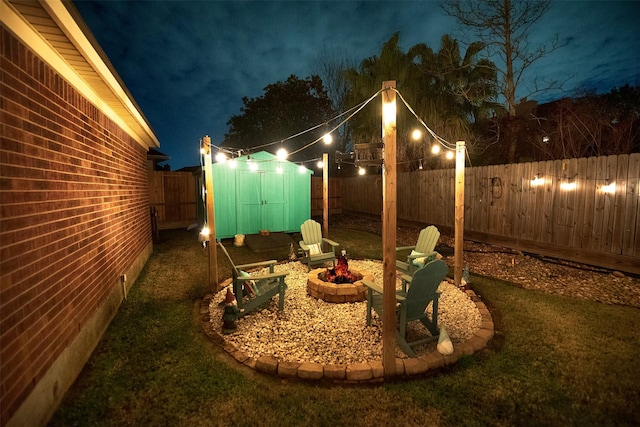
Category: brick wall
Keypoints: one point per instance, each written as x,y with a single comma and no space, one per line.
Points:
74,216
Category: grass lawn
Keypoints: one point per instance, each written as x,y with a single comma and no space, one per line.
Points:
553,361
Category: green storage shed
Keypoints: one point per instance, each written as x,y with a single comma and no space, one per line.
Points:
260,192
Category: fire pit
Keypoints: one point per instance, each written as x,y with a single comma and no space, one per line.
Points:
339,284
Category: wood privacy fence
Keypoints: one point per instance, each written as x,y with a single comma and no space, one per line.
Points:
584,210
572,211
173,195
334,196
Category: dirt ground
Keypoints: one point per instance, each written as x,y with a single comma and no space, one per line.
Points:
543,274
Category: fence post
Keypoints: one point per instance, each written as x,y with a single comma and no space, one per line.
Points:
459,213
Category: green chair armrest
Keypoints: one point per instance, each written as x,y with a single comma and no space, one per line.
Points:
422,255
303,246
372,286
331,242
406,278
262,277
405,248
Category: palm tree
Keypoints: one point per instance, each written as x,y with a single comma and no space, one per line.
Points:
448,91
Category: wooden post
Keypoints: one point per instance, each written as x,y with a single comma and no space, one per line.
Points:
459,214
211,222
325,195
389,229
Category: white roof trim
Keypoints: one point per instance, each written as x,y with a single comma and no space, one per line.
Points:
28,34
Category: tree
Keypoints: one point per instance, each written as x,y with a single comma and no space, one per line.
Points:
504,27
591,125
462,90
286,109
330,65
447,90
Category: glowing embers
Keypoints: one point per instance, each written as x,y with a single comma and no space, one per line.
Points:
340,274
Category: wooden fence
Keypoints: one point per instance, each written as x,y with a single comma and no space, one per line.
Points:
334,196
585,210
571,211
173,194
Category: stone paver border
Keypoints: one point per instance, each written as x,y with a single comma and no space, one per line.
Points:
355,372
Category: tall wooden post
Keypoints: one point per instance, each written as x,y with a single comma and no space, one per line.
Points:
211,222
459,214
389,218
325,195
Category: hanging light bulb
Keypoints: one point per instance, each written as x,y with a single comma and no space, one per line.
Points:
609,188
420,167
301,168
361,171
221,157
253,166
320,164
282,154
204,234
416,134
327,138
537,180
450,155
435,148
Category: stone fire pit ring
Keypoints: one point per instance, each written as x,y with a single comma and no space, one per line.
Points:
337,293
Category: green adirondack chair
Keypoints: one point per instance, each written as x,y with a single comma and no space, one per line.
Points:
315,246
422,253
252,291
412,304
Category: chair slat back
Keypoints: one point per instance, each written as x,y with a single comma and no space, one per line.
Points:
311,232
424,286
428,239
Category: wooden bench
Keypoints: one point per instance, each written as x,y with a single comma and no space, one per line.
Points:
252,291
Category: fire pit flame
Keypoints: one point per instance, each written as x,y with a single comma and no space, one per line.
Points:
340,274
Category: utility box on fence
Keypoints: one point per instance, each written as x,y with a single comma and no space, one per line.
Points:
260,192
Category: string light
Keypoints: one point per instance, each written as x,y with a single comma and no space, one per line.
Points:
282,154
327,138
608,188
537,181
221,157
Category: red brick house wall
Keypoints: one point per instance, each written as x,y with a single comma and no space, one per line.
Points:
74,218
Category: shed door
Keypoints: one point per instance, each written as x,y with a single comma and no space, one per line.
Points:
261,202
273,193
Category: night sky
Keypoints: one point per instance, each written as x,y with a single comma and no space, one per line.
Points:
189,63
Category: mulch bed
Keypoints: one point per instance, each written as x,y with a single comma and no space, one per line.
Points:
553,276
